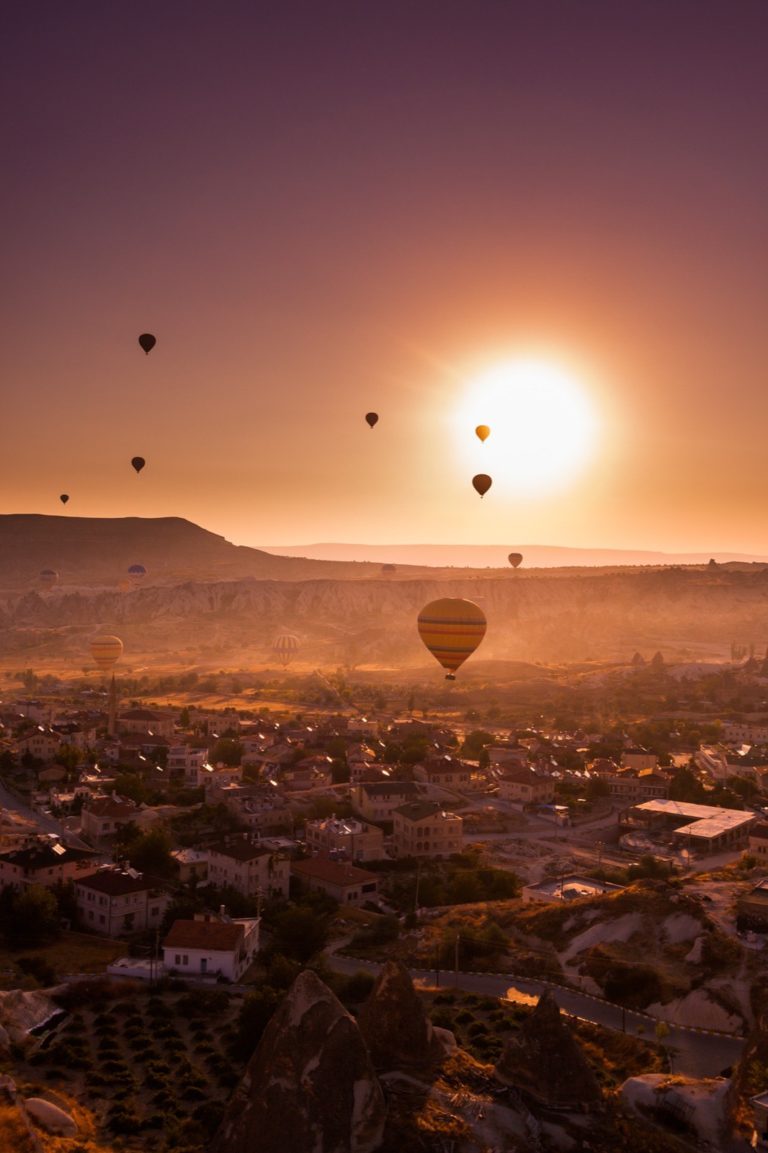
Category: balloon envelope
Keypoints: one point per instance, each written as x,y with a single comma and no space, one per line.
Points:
481,483
483,431
515,559
372,418
106,651
64,498
451,628
285,648
147,341
48,577
138,462
136,573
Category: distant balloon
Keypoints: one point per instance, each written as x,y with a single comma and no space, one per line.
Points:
48,578
389,568
138,462
285,648
64,498
147,341
106,651
136,573
451,628
481,483
515,559
372,418
483,431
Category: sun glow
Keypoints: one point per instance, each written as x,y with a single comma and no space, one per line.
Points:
543,425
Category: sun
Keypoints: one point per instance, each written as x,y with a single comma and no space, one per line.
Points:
543,425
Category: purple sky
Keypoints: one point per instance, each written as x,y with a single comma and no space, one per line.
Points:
327,208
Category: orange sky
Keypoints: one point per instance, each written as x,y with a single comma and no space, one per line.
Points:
326,210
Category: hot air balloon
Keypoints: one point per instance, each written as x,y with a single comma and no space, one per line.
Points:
451,628
147,341
285,648
138,462
481,483
48,577
389,568
515,559
106,651
64,498
136,573
372,418
483,431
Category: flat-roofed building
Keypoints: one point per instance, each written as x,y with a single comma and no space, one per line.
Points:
355,839
699,829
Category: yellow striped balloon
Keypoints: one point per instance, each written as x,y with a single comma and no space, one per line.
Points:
106,651
451,628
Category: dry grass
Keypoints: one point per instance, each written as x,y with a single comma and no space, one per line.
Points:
72,953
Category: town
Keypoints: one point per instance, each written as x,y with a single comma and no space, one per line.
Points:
233,846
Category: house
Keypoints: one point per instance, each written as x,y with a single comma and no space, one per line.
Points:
424,829
247,866
377,800
356,840
193,864
638,759
184,763
45,861
103,816
758,842
114,901
507,754
209,946
146,721
524,786
41,742
645,785
446,771
309,773
343,882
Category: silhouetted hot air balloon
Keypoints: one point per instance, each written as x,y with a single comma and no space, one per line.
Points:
147,341
389,568
64,498
372,418
138,462
106,651
515,559
483,431
48,577
136,573
451,628
285,648
481,483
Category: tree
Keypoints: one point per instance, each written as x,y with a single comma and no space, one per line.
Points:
150,853
30,917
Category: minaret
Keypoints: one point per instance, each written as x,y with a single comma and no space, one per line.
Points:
112,714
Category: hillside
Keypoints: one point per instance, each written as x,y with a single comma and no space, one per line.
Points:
204,598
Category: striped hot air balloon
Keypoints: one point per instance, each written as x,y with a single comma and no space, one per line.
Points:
451,628
48,577
106,651
285,648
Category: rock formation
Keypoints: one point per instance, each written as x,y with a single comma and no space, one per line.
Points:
396,1029
310,1086
546,1061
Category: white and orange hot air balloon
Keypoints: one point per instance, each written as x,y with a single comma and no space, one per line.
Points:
106,650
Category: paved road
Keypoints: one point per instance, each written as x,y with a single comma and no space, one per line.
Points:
698,1053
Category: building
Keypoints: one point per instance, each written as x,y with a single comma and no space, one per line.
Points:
424,829
146,721
348,837
758,842
343,882
211,946
184,764
377,800
524,786
250,868
638,759
45,861
646,785
115,902
193,864
752,908
447,772
103,816
696,829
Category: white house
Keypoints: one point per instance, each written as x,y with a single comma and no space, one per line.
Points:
211,946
